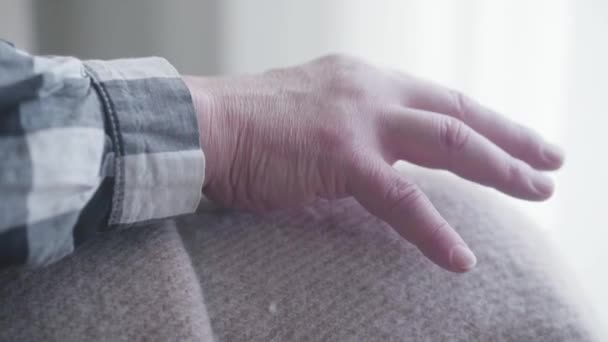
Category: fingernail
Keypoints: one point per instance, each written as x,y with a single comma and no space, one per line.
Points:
543,185
553,154
462,258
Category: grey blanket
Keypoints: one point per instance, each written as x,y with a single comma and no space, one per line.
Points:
329,272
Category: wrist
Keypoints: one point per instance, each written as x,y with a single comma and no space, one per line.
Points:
205,109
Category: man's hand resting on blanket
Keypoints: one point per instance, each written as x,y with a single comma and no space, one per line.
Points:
333,127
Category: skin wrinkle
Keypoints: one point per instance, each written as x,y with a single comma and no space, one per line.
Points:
402,194
459,104
324,128
453,135
233,176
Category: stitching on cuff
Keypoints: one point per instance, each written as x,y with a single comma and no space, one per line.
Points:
118,147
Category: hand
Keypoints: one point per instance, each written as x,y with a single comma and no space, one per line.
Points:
333,127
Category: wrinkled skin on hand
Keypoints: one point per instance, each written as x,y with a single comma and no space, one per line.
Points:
333,127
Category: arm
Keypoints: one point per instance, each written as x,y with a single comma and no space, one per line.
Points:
330,128
90,146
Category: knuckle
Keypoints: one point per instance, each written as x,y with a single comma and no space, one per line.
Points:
459,104
343,84
334,139
345,88
453,134
343,75
334,58
336,133
403,194
338,59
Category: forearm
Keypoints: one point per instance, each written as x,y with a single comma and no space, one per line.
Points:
89,146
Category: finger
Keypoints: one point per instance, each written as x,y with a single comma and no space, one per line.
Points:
439,141
388,195
519,141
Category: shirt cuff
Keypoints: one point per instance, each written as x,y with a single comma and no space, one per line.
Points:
156,160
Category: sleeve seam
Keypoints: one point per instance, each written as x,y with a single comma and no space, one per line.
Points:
118,147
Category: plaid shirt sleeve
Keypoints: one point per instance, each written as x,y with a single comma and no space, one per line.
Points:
87,146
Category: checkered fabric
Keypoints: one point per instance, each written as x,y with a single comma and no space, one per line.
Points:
87,146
